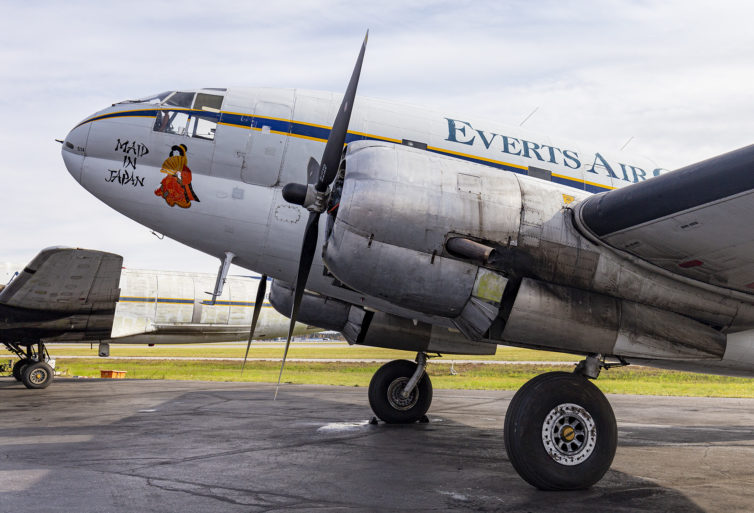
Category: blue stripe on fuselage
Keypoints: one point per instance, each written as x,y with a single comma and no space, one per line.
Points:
321,133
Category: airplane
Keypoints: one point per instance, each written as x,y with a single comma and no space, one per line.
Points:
444,234
82,295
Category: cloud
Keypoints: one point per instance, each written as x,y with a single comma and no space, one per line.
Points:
673,75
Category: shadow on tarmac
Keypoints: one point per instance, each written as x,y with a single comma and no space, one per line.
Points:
99,445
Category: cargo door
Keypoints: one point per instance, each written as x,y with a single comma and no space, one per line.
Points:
232,135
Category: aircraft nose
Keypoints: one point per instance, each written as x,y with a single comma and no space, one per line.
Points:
74,149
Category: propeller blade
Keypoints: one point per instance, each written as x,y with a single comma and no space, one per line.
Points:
308,247
312,171
261,289
331,156
328,169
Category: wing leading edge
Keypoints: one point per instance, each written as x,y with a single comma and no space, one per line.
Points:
696,221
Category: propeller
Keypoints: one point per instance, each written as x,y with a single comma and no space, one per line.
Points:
314,195
261,289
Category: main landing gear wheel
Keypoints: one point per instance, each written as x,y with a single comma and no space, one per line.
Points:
560,432
19,366
37,375
387,400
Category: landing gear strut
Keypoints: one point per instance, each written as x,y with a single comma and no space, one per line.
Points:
560,431
32,369
400,391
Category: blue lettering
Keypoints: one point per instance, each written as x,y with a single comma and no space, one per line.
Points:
484,138
603,163
573,157
453,130
551,151
638,173
533,147
509,145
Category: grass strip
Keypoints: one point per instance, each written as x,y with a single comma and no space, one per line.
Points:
627,380
341,351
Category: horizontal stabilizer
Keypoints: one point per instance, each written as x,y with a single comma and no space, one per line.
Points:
67,280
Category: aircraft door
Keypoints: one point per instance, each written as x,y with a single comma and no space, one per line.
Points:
266,146
230,145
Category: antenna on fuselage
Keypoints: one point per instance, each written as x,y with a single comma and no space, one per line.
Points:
530,115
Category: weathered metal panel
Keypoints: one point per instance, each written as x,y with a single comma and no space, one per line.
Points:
547,315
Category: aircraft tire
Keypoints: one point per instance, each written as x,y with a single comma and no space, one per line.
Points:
19,366
37,375
385,388
560,432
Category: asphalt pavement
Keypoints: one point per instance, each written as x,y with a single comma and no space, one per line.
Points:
134,445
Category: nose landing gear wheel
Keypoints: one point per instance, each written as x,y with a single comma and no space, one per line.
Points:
385,393
560,432
37,375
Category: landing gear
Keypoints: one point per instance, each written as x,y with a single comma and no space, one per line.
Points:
400,391
37,375
19,366
560,431
32,368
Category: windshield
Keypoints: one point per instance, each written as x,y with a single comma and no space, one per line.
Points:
181,99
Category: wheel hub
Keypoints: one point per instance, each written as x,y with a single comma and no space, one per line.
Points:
395,396
569,434
38,376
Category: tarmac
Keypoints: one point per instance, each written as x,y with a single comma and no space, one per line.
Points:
135,445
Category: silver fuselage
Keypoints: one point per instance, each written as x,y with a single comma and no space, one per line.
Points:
238,153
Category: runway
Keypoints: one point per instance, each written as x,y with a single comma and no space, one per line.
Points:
132,445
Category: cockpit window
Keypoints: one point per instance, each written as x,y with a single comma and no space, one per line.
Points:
189,124
210,102
181,99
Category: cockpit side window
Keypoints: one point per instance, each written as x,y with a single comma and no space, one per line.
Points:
186,123
209,102
181,99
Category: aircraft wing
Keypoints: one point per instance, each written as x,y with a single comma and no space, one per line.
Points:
697,221
66,280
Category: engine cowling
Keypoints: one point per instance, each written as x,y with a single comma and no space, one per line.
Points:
583,321
398,208
379,329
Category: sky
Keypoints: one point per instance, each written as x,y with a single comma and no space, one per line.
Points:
672,77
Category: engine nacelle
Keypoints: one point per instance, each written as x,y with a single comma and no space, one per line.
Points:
324,312
378,329
398,208
583,321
